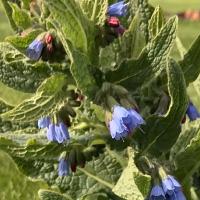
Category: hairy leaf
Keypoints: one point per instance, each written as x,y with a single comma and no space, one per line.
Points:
156,22
73,30
18,73
191,62
79,68
17,97
22,42
184,153
8,10
45,101
95,10
160,129
38,161
132,185
145,12
13,184
132,73
50,195
189,131
132,42
20,17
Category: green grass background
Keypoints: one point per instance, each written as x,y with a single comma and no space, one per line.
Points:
13,184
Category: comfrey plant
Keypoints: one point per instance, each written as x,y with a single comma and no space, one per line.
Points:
98,102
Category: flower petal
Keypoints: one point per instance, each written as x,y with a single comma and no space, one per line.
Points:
34,50
157,193
118,9
44,122
63,167
51,133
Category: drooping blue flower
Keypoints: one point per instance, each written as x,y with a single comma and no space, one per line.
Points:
168,186
137,119
34,50
51,136
172,188
44,122
61,133
118,9
63,167
117,129
179,195
157,193
176,196
55,132
123,122
192,112
176,184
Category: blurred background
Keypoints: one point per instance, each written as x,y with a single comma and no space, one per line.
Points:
14,185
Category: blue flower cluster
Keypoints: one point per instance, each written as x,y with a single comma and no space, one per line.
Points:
192,112
118,9
55,132
123,122
170,189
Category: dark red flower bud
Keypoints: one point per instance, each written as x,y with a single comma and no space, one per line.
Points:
113,22
73,167
48,38
184,119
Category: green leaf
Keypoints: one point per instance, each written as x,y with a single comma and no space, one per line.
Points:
145,12
135,39
180,47
75,46
13,184
21,17
50,195
191,62
132,185
40,161
26,136
73,30
186,159
133,73
30,152
96,196
8,10
18,73
189,131
159,129
26,4
130,44
80,66
156,22
17,96
22,42
45,101
95,10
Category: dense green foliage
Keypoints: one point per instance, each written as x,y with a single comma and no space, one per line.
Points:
136,67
